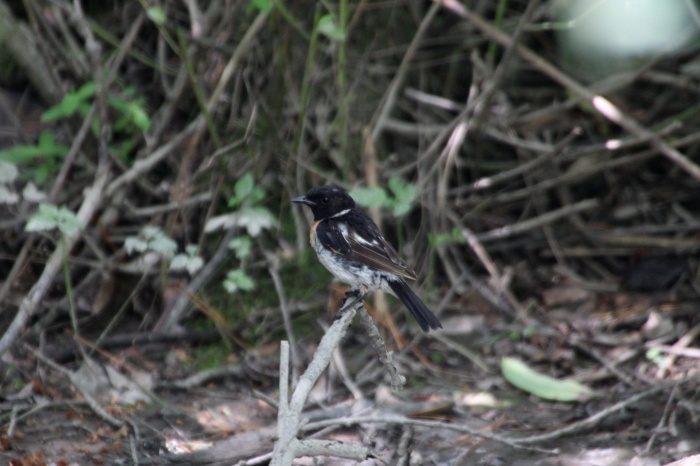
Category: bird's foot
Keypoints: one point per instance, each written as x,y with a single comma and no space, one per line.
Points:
351,298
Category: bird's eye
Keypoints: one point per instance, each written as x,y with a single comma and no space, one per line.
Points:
325,200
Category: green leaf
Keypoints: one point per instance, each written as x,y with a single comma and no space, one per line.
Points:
256,219
87,91
543,386
370,197
241,246
31,193
405,195
8,172
442,239
256,195
439,239
238,280
154,240
46,147
163,244
189,262
150,232
654,355
329,28
402,206
265,6
156,14
49,217
135,244
39,222
8,196
244,186
133,113
70,103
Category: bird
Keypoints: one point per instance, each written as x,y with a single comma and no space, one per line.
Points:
349,244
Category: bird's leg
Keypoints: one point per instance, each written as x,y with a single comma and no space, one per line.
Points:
357,295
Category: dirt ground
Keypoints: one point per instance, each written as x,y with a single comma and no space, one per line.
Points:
636,417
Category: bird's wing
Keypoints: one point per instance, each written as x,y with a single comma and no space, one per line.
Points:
331,237
365,244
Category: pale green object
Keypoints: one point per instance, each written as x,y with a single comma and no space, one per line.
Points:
49,217
543,386
597,38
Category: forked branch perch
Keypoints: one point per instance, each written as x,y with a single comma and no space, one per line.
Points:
289,420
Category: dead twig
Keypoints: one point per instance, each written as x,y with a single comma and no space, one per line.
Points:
600,103
289,420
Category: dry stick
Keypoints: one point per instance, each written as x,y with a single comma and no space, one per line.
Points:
462,127
604,106
19,262
58,36
17,266
93,199
344,374
682,342
22,44
570,177
548,152
513,442
389,98
153,210
289,420
273,262
539,221
142,166
71,376
460,349
401,420
609,365
75,147
566,178
205,376
490,265
171,318
236,58
663,420
693,353
486,97
12,425
600,415
385,357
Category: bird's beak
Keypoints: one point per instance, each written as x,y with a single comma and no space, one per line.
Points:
303,200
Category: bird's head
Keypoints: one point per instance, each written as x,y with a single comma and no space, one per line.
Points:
326,202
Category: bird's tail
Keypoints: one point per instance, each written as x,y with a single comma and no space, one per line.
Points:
415,306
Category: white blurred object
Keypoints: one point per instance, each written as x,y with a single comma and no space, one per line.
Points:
597,38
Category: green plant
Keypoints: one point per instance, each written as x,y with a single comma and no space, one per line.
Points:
132,117
46,146
49,217
154,239
46,218
661,361
248,216
442,239
151,239
190,260
400,200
